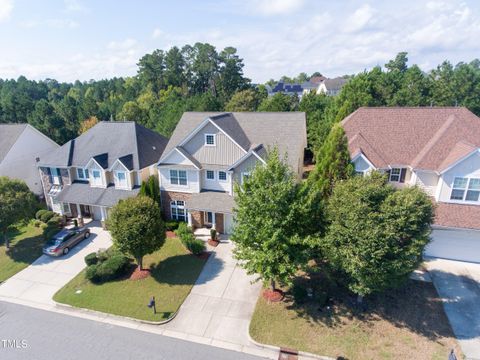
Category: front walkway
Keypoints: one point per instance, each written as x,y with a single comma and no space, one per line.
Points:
458,284
43,278
220,304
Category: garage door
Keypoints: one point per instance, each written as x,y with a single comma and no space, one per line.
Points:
463,245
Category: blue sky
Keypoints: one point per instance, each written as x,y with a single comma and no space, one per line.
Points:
86,39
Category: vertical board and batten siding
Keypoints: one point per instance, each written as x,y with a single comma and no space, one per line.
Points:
225,151
246,166
193,184
470,167
427,181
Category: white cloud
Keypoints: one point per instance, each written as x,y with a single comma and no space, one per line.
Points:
126,44
51,23
275,7
157,33
6,8
74,6
359,19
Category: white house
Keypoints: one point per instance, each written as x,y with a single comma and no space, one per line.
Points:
21,147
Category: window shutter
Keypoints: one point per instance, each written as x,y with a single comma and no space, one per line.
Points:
403,172
49,174
388,174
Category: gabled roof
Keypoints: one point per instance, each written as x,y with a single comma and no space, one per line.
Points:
286,130
9,133
136,146
334,84
427,138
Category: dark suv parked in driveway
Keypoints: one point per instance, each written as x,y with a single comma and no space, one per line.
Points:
65,240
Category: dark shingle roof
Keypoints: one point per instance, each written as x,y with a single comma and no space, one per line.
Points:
211,200
9,134
83,193
109,141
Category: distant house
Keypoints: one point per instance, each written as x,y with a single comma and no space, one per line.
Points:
209,152
288,89
88,175
21,147
331,87
435,148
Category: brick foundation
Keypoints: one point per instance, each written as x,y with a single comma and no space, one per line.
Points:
197,219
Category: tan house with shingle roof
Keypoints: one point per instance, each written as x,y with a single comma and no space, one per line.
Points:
435,148
209,152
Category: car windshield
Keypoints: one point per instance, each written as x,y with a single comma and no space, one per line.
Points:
54,242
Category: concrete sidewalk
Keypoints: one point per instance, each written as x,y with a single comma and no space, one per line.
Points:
458,284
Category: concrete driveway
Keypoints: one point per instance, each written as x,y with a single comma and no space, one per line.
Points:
219,307
42,279
458,284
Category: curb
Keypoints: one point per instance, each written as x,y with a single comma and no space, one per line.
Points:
107,315
279,349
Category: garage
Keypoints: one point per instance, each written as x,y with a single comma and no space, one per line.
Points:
454,244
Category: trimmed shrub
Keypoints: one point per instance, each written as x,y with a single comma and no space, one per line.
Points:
39,213
47,215
37,223
196,246
183,230
56,220
111,268
91,272
91,259
172,225
213,234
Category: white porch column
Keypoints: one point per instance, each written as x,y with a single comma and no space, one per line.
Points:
214,225
103,213
79,215
189,218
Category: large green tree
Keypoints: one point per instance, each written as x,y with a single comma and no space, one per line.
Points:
244,100
267,216
376,234
137,227
17,203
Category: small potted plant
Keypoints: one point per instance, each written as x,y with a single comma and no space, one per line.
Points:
213,241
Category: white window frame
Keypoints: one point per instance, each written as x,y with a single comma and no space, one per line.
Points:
117,179
84,173
206,175
226,176
247,174
66,208
392,174
214,139
94,180
55,173
465,189
174,207
177,177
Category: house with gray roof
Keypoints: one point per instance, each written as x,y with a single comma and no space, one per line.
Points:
331,87
21,147
90,174
210,151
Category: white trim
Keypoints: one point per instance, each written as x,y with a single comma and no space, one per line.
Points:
226,176
171,151
92,183
117,184
214,140
178,177
399,174
95,161
123,165
201,126
465,191
245,157
460,160
83,172
362,155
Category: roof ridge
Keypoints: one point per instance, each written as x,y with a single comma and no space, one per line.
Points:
359,134
433,140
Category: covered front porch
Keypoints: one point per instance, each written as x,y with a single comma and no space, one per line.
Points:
210,210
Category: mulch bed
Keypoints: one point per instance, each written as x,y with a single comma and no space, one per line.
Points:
203,255
273,295
170,234
213,243
139,274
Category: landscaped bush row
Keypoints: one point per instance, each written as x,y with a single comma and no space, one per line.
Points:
172,225
106,266
185,233
44,215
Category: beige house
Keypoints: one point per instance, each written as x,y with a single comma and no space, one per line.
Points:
209,152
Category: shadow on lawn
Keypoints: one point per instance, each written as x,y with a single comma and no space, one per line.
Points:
25,250
415,306
185,269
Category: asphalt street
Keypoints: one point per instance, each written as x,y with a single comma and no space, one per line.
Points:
27,333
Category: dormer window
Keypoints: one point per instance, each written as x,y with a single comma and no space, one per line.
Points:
96,178
82,174
209,139
121,179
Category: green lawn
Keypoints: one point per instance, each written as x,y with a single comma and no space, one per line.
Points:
26,243
174,271
408,323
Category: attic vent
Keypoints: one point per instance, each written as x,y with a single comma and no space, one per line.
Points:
37,159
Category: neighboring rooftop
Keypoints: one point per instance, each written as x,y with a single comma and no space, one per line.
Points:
9,134
286,130
426,138
334,84
136,146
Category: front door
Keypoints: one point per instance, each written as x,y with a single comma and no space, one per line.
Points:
85,209
208,219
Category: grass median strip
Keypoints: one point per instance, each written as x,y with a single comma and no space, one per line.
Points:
26,243
173,273
407,323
